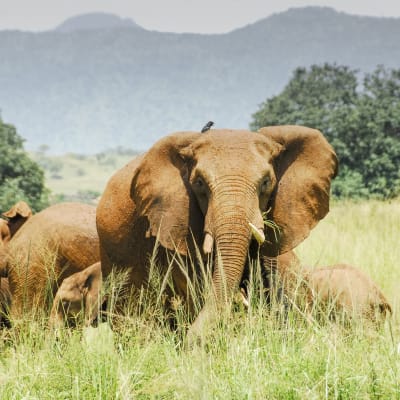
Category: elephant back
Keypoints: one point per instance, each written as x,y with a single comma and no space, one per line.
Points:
50,246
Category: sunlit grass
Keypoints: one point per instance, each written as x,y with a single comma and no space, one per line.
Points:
255,354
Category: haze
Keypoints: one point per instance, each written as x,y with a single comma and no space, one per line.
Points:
206,16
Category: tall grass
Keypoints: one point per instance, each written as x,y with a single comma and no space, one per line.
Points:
254,354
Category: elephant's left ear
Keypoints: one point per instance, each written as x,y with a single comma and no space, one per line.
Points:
20,209
304,170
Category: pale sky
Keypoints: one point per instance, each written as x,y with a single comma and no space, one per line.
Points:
203,16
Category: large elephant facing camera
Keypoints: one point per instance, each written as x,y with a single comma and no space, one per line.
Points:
206,189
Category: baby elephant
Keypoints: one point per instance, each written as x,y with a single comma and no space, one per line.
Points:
344,288
78,297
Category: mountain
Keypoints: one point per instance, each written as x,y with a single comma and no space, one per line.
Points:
97,21
88,90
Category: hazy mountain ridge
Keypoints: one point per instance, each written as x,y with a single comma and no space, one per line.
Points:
84,91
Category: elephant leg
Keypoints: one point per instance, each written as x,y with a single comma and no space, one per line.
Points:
5,302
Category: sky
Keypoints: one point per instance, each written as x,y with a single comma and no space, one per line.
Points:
200,16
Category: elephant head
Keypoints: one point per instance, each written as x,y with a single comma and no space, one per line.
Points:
77,294
16,216
216,186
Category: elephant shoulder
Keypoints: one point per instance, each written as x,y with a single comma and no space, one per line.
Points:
116,207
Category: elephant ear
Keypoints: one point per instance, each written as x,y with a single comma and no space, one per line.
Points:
17,216
304,170
20,209
92,291
162,194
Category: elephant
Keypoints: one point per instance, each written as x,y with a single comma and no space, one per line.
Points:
209,193
16,216
52,245
5,302
346,289
78,295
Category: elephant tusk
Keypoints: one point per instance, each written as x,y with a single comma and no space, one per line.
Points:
257,233
243,298
208,243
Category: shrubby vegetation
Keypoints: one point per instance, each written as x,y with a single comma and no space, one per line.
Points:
20,177
360,118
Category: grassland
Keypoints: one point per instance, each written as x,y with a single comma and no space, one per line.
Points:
252,355
78,177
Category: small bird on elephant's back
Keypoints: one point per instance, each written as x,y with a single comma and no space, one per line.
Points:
207,126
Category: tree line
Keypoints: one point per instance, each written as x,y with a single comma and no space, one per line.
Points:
359,115
21,178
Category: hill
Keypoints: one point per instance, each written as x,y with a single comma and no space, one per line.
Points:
87,90
92,21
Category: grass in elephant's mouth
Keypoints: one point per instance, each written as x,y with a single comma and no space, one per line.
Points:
271,225
253,354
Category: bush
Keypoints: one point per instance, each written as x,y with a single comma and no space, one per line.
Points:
360,119
20,177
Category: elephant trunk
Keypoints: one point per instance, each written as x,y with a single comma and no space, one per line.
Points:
232,244
236,216
228,228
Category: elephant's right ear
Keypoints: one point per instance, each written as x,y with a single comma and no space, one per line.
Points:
161,192
20,209
304,170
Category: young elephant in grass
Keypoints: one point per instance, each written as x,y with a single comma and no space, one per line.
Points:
52,245
78,298
344,289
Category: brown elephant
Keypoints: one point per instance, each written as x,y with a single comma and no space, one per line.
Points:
345,289
16,216
213,190
5,302
50,246
78,295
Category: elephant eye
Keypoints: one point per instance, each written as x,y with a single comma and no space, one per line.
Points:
265,184
199,183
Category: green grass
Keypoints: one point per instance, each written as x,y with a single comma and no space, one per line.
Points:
249,355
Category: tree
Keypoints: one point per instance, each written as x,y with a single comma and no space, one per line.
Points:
360,120
20,177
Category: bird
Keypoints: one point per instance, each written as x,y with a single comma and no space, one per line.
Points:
207,126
